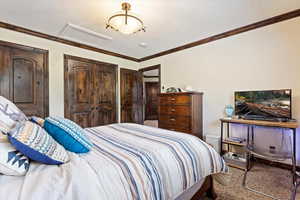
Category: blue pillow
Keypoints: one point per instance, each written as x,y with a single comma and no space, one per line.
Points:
68,134
34,142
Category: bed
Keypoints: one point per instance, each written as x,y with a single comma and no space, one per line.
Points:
128,161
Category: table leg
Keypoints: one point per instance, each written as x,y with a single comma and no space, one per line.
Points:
221,146
252,135
247,153
228,135
294,163
294,159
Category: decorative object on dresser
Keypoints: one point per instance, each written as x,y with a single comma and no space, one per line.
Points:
181,111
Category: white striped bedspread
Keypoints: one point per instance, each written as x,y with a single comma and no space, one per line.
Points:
153,163
128,161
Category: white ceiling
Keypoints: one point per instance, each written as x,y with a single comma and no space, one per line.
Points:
170,23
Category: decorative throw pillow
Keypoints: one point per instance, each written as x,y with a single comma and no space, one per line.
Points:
12,162
10,114
34,142
68,134
3,137
37,120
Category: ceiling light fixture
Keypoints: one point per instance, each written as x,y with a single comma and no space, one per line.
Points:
124,22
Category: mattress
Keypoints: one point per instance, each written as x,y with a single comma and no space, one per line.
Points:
128,161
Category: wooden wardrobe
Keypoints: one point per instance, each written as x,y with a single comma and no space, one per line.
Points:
90,91
24,77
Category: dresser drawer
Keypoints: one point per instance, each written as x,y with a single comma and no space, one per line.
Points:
174,99
175,110
174,128
178,121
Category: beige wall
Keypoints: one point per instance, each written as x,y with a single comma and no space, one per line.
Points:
56,63
266,58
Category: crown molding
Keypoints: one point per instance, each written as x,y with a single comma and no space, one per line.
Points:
266,22
64,41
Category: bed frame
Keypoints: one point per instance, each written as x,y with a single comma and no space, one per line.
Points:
207,188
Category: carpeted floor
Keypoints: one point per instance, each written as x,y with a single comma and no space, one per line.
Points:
270,180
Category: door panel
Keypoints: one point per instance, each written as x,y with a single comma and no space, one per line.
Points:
24,78
5,72
131,96
151,90
83,119
82,88
90,92
105,97
80,96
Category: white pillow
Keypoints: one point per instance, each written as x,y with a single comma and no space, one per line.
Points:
12,162
10,114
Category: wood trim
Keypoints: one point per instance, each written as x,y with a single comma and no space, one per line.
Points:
290,125
66,88
66,99
126,69
66,56
64,41
145,76
150,68
266,22
46,83
23,47
153,68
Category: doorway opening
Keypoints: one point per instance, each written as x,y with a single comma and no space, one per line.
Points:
151,89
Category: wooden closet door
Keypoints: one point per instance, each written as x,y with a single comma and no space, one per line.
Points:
131,96
90,91
5,72
79,92
24,78
104,86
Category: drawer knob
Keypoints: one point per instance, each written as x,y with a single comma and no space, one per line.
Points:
173,110
172,119
173,99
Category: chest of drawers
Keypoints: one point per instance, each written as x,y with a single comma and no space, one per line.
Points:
181,112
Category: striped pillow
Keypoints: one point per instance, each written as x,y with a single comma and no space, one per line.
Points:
34,142
10,115
68,134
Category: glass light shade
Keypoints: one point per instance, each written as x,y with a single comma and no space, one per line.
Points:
118,22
